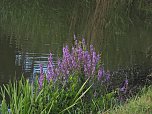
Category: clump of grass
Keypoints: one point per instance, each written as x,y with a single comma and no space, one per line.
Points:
26,98
55,97
139,105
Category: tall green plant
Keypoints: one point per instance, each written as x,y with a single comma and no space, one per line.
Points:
54,98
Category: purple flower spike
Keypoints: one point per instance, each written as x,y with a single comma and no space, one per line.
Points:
94,58
50,68
124,86
107,76
91,49
122,89
41,69
100,73
80,53
41,78
77,59
126,82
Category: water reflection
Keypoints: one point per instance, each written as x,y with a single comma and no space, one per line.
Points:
30,62
14,63
7,58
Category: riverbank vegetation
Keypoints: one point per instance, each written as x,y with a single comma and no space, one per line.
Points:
105,78
77,84
26,98
141,104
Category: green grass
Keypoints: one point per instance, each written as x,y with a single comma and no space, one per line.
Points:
55,97
139,105
69,98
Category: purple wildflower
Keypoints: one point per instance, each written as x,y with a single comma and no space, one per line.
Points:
94,62
100,73
41,78
107,76
79,58
50,68
94,58
73,62
91,49
124,86
85,55
80,53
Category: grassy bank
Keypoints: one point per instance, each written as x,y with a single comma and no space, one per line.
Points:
141,104
26,98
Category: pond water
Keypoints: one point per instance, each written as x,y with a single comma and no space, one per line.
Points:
28,34
15,62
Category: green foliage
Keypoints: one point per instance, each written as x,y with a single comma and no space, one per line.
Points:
51,99
54,98
58,96
139,105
